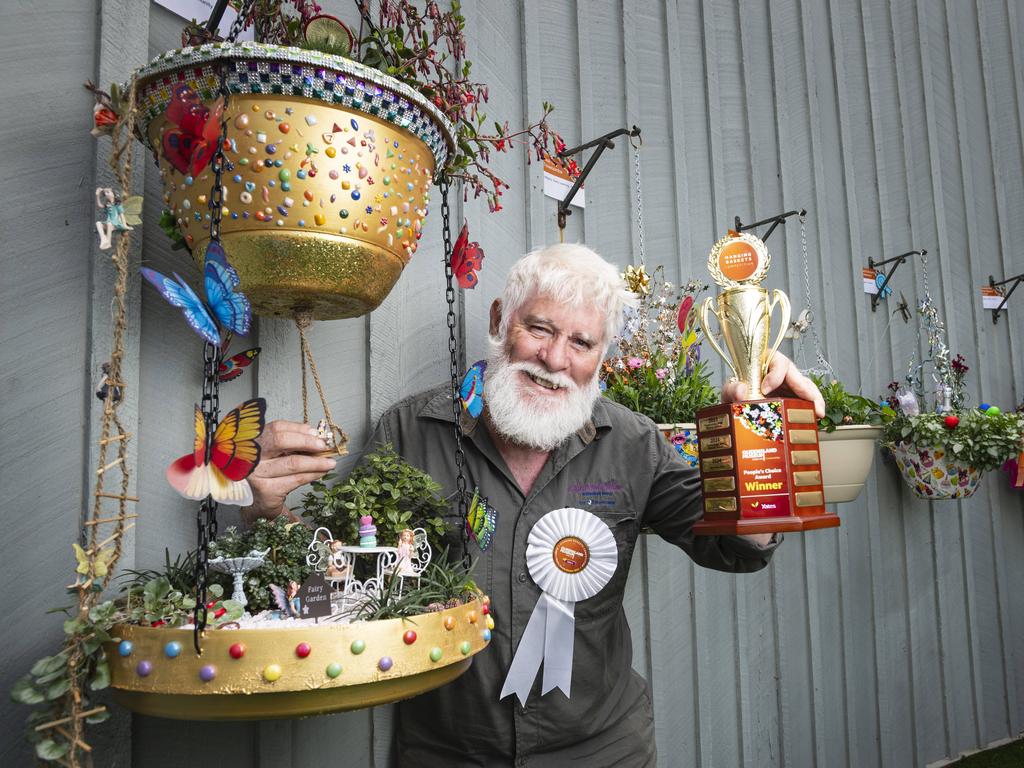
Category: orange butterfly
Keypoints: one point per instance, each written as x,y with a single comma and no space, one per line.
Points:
233,457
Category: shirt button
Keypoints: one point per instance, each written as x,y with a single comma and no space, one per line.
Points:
522,577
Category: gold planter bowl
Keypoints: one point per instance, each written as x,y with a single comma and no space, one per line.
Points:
325,193
272,679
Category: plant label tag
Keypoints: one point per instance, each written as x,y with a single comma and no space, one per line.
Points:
314,597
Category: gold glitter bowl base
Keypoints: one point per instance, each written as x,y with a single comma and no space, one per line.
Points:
295,671
333,276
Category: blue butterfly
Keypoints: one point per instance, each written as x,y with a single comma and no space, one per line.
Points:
472,391
179,294
229,306
887,292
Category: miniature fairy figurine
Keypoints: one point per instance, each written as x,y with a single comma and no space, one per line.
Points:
406,549
338,569
118,216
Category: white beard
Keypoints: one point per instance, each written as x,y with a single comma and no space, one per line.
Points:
537,422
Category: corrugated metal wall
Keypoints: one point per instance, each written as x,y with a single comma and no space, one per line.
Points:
896,640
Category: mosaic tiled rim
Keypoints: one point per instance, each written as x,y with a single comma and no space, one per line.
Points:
318,73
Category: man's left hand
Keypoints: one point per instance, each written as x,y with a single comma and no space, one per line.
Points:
781,378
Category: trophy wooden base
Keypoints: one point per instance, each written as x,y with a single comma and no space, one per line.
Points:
760,468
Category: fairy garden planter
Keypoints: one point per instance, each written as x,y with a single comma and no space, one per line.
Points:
330,164
657,370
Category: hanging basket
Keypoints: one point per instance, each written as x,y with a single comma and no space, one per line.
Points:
846,458
684,438
931,474
248,674
330,168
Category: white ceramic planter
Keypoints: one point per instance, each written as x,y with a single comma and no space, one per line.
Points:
846,457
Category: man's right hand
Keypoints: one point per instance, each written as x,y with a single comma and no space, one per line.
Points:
284,466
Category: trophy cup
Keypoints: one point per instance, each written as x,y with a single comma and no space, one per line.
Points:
759,464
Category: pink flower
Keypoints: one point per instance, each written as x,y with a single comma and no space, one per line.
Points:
661,373
635,362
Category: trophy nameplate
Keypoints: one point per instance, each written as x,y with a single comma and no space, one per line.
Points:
760,468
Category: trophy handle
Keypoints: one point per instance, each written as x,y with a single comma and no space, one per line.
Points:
778,299
704,309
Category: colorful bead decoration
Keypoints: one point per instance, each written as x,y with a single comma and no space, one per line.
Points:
358,646
435,654
144,668
333,669
449,623
207,673
237,650
465,647
409,637
172,649
272,672
385,663
125,648
302,650
486,635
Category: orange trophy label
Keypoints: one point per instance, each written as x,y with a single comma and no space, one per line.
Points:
571,554
738,260
761,450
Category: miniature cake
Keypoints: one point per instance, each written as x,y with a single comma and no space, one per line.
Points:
367,532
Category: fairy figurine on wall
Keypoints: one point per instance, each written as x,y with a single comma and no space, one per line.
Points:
119,216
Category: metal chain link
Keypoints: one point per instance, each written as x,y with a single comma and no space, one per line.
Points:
453,351
206,519
639,205
823,367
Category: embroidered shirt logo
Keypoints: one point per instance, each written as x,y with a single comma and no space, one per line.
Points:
599,495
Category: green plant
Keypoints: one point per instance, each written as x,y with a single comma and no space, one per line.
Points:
657,370
288,543
842,408
396,494
443,584
976,439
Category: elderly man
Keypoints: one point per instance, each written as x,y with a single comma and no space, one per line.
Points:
545,440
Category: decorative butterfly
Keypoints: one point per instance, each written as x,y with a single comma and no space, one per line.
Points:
179,294
799,326
229,306
467,259
472,390
687,317
191,138
887,291
233,456
233,367
96,568
481,520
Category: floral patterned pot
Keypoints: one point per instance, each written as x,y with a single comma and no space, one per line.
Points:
330,165
846,458
684,438
931,474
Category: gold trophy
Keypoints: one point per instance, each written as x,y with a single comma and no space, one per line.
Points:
759,463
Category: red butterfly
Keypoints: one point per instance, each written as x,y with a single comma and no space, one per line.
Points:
467,259
233,367
683,320
189,142
233,457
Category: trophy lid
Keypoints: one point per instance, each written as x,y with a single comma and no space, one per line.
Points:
739,259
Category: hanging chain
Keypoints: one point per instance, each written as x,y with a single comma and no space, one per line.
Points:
823,367
453,352
206,519
639,204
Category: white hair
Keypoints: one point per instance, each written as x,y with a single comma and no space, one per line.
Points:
570,274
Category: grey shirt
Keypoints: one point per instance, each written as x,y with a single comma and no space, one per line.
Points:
619,468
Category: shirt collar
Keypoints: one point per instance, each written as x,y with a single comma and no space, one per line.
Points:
440,407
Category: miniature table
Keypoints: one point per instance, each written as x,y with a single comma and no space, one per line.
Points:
370,587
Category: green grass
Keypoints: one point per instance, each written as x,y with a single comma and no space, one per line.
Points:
1008,756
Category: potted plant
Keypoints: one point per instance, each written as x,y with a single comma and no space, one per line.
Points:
657,370
942,452
846,439
333,140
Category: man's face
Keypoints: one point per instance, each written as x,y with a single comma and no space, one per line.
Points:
542,376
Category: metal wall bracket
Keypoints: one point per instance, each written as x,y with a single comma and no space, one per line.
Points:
1006,297
773,220
602,143
872,264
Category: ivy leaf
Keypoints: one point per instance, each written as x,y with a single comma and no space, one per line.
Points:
48,749
24,692
58,688
101,677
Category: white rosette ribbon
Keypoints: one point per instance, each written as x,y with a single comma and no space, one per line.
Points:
571,555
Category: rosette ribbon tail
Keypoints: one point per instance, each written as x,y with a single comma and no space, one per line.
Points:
548,639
